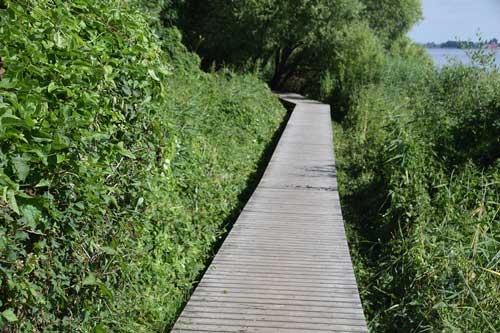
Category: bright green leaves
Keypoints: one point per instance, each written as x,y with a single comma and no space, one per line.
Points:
124,152
21,166
73,150
9,196
153,75
116,167
43,183
8,121
31,215
9,315
51,87
108,70
58,39
90,280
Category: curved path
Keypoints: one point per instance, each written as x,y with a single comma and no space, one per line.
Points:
285,265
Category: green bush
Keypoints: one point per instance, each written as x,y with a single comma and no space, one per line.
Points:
419,179
356,63
472,96
119,163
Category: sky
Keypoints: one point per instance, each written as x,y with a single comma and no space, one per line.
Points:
457,19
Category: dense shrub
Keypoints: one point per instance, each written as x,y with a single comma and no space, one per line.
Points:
419,177
356,63
119,163
472,96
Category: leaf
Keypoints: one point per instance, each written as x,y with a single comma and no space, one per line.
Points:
9,315
153,75
126,90
21,167
109,250
110,200
58,40
31,215
11,201
21,235
43,183
60,158
105,291
140,201
90,280
123,151
7,84
108,70
9,119
5,179
101,328
41,155
48,44
52,86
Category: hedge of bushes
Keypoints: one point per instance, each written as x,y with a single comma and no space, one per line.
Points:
119,163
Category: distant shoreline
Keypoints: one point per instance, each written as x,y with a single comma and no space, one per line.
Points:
492,44
460,49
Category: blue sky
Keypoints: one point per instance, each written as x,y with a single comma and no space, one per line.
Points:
451,19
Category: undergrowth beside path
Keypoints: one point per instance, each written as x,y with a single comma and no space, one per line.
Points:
119,162
419,179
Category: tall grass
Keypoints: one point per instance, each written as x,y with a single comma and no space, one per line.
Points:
420,187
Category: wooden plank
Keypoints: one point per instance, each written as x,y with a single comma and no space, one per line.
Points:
263,317
244,311
272,289
256,324
305,309
285,266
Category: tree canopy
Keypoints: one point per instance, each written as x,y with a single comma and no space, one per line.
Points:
392,19
298,41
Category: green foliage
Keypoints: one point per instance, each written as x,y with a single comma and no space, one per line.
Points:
419,178
297,40
405,49
293,37
392,19
119,163
358,64
473,96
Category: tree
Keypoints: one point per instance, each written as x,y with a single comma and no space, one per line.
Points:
299,41
275,32
392,19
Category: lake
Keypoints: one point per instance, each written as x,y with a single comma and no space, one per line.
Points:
441,56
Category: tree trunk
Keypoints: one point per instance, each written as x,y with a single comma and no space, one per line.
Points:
282,70
277,71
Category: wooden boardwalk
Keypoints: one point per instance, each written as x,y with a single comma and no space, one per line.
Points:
285,265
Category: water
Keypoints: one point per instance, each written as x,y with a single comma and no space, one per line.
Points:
442,56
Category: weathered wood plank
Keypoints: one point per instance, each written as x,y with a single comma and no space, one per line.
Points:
285,266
